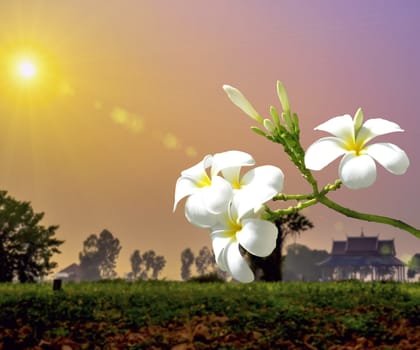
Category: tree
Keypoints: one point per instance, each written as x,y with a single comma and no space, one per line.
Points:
301,263
99,255
413,266
270,268
26,246
148,265
205,261
158,266
149,259
187,259
136,260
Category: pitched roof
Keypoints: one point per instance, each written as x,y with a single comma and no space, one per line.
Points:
338,248
362,251
361,244
73,268
358,260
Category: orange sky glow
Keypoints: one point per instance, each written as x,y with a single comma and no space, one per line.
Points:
116,99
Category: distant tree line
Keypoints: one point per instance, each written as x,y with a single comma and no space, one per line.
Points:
98,259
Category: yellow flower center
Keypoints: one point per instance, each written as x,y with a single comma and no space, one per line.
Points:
204,181
355,146
236,185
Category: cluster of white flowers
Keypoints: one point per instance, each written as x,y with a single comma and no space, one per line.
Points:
228,204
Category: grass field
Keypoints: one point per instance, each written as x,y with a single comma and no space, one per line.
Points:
180,315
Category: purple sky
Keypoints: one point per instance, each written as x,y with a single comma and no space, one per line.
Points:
134,95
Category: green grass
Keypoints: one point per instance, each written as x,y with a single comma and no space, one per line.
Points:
161,314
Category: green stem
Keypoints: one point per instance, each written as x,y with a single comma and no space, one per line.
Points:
368,217
288,197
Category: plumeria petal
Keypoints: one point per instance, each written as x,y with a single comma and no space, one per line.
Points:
390,156
230,159
341,127
375,127
323,152
257,187
198,169
357,171
192,179
236,264
250,199
232,175
220,240
266,175
240,101
258,236
217,196
184,187
197,213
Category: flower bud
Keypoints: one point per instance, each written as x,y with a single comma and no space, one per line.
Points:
268,124
284,100
240,101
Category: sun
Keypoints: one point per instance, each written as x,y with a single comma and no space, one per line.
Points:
30,76
26,68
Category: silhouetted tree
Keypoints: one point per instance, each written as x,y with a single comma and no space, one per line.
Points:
146,265
300,263
413,266
270,268
149,259
158,266
90,259
99,255
26,247
187,259
136,261
205,261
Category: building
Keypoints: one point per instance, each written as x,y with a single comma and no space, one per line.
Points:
366,258
70,273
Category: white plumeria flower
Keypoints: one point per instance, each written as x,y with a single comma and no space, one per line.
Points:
208,193
357,168
254,188
234,228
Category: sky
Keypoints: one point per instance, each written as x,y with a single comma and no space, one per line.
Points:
128,94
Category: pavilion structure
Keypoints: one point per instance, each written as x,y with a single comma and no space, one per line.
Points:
366,258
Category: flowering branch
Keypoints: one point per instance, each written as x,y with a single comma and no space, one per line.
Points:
227,204
351,137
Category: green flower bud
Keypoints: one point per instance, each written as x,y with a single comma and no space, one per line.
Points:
284,100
